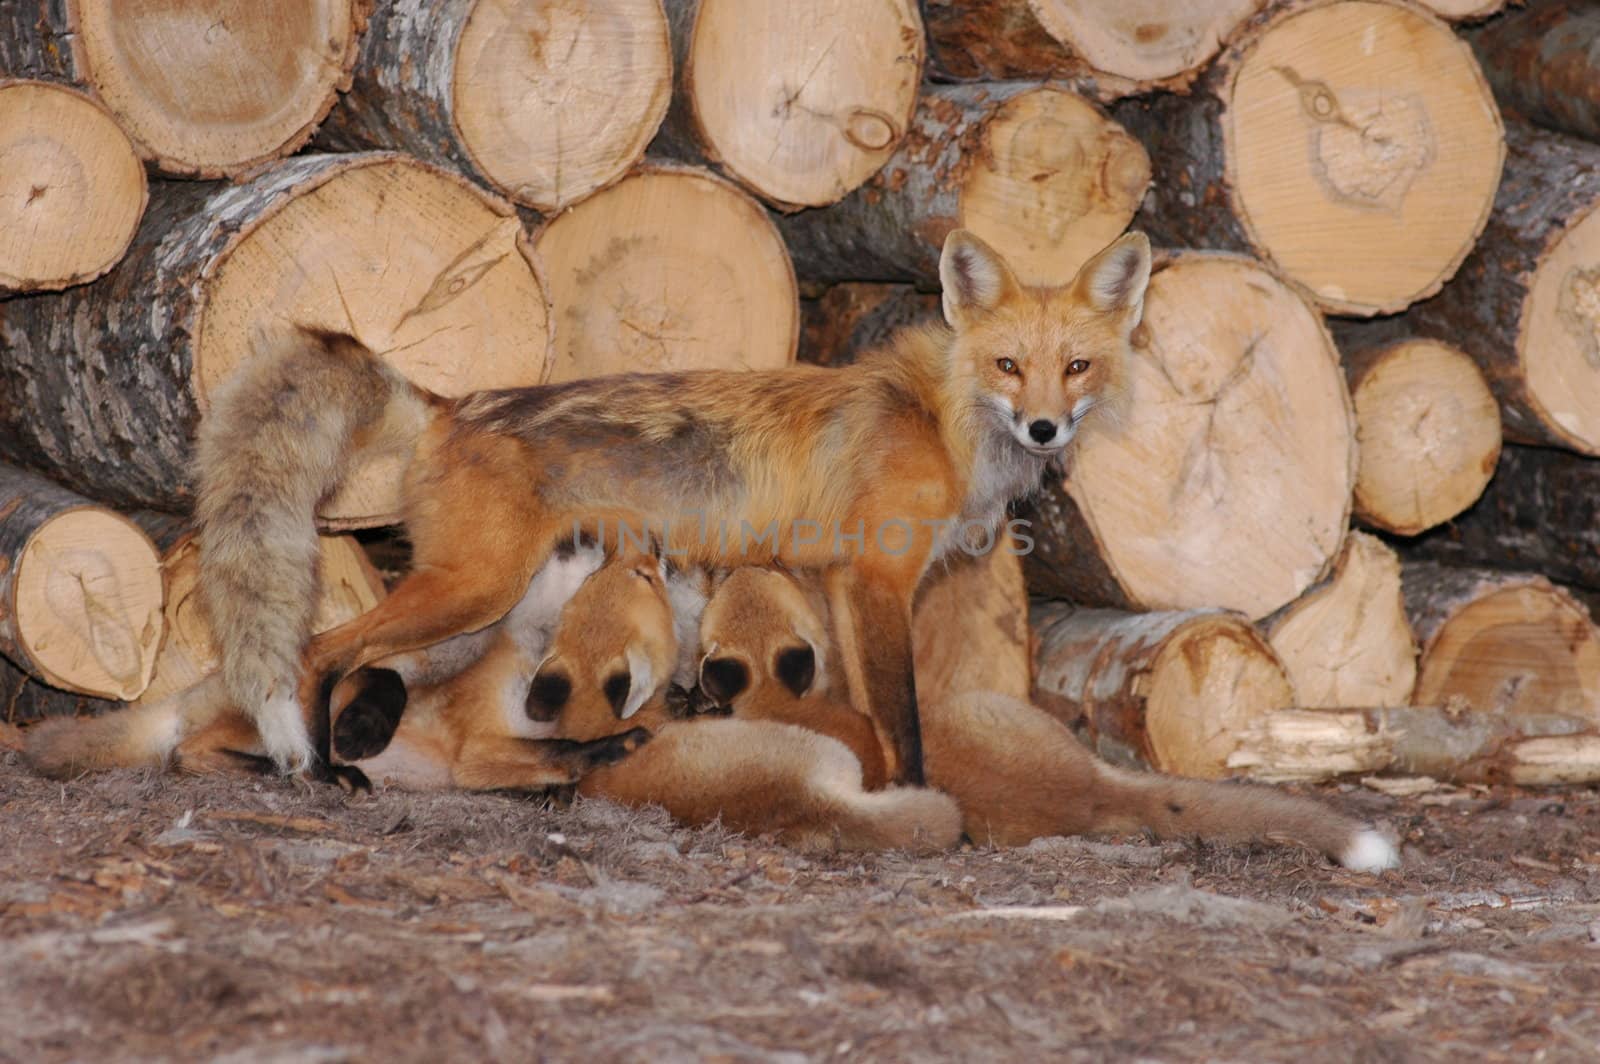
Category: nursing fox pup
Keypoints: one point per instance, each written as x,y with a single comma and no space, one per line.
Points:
858,473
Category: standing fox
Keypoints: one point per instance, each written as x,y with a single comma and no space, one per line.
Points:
883,457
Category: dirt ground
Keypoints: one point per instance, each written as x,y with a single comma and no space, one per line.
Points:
154,918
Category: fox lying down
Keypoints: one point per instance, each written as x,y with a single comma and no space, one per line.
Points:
569,698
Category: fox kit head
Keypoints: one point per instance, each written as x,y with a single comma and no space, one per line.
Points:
613,650
1038,360
760,630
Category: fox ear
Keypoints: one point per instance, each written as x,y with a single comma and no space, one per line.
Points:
641,683
974,277
1114,281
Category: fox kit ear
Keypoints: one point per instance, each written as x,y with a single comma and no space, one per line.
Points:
1114,281
641,682
974,277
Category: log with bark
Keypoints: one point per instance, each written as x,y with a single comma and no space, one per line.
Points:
1353,144
24,699
1346,641
1540,513
1227,480
80,590
1464,746
800,101
545,103
1109,47
349,586
72,189
1427,427
1169,690
203,89
970,626
853,317
671,268
102,385
1544,64
1036,170
1500,642
1526,305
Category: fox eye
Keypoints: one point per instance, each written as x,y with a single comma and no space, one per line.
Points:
1077,366
1007,366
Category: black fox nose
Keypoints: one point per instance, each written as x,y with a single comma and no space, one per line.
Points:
1042,431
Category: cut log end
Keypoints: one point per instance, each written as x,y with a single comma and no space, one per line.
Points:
803,100
1347,642
209,91
1364,149
1206,686
669,269
424,268
1559,344
1143,41
1054,182
1429,434
554,101
87,603
1229,481
1503,643
72,188
1464,10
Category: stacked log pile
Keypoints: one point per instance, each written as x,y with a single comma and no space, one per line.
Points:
1375,218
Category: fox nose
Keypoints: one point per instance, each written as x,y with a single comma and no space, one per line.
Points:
1042,431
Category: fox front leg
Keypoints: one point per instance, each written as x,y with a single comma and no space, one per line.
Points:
871,612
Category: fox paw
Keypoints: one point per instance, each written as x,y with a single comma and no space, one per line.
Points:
368,721
684,703
583,757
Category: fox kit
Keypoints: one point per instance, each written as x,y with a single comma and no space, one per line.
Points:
855,472
448,740
613,655
1017,772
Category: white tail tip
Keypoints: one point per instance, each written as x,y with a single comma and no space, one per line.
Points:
283,734
1370,852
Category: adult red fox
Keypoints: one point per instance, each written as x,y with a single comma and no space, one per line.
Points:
1016,772
858,473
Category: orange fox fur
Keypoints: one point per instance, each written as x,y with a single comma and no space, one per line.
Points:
947,425
1016,772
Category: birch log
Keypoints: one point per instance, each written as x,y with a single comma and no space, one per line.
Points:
1169,690
204,88
1353,144
1526,305
72,189
799,101
1501,642
1227,481
544,102
80,590
104,384
1035,170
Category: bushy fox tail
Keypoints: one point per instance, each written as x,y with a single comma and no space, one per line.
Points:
1173,807
139,736
280,435
1020,774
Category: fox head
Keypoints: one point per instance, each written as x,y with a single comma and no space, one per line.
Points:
760,631
1040,360
613,650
